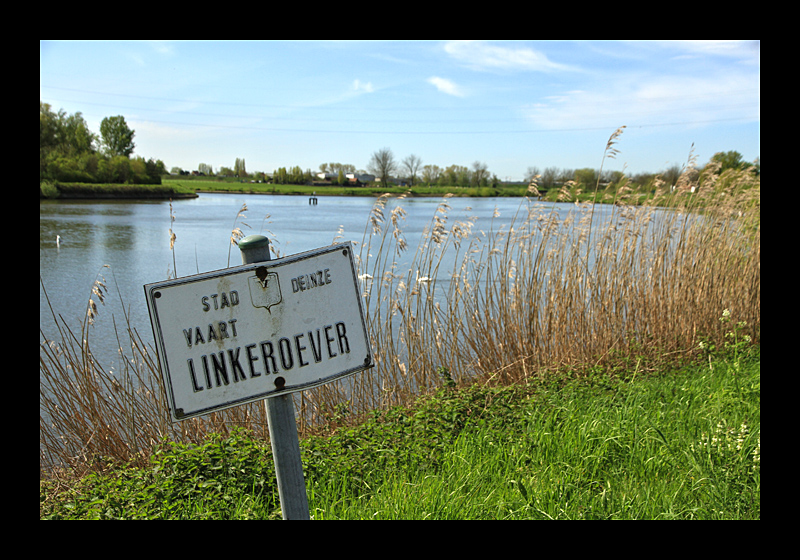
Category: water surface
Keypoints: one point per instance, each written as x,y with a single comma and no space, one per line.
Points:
132,239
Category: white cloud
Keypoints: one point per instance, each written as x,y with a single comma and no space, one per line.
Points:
662,100
366,87
136,58
481,56
745,51
446,86
162,47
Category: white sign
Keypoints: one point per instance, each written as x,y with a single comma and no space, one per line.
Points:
245,333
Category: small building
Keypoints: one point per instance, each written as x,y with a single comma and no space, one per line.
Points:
359,178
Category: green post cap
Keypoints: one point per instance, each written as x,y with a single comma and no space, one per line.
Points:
252,242
254,248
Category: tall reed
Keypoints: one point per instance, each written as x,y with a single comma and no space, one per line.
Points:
628,286
504,302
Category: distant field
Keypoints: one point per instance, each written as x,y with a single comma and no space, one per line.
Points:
264,188
114,190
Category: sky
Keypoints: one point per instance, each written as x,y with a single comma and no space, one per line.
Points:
510,105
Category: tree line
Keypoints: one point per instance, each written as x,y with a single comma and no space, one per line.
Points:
71,153
554,177
411,171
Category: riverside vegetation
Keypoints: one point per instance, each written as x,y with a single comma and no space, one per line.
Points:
685,444
572,369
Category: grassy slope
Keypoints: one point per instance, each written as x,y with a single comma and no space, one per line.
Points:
114,191
263,188
679,445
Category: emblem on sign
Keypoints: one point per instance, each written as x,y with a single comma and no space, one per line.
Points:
265,290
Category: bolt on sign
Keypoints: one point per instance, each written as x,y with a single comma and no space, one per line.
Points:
245,333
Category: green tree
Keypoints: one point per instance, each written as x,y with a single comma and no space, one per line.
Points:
587,177
431,174
154,170
239,169
463,176
48,129
297,176
115,137
449,176
62,137
730,160
66,134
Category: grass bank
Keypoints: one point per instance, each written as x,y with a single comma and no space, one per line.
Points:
59,190
599,444
209,185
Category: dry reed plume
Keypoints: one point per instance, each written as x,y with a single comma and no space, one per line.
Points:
623,285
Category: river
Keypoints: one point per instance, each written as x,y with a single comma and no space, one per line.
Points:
126,244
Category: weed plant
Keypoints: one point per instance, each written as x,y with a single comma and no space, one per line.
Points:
626,288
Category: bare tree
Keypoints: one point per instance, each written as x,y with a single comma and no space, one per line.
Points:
480,173
412,164
549,177
533,171
382,164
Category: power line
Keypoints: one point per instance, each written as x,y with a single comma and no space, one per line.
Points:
273,106
438,132
350,120
292,118
361,130
361,107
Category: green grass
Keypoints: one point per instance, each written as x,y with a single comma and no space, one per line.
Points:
207,185
113,190
598,444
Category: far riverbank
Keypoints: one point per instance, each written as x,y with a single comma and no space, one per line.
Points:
243,187
90,191
175,189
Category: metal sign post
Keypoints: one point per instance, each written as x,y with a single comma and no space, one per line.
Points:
281,420
261,331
